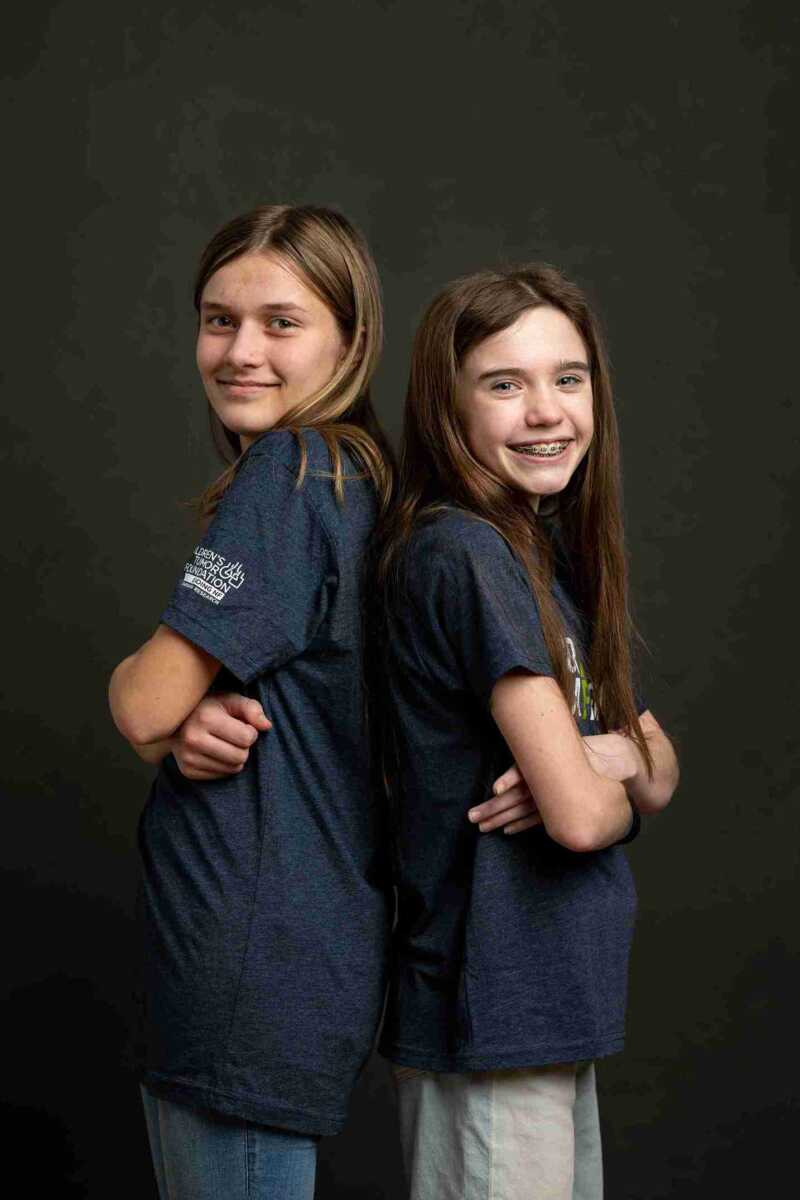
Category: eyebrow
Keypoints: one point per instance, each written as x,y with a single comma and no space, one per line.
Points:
565,365
273,306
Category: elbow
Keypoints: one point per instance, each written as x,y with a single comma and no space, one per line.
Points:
138,723
593,818
659,793
133,725
654,803
134,719
137,729
581,836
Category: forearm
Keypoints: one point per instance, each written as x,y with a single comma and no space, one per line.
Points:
120,687
127,699
653,795
605,818
152,692
580,809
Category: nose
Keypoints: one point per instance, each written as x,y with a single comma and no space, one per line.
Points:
246,349
543,406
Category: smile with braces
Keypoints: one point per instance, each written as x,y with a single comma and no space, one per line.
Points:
542,449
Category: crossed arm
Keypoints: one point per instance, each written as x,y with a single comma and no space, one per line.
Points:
583,787
580,789
153,692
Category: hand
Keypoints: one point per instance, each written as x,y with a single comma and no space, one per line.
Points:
215,739
512,809
612,756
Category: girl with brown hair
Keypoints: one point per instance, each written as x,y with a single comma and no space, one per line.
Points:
505,631
263,893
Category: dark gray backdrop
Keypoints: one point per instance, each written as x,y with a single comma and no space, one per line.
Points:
645,148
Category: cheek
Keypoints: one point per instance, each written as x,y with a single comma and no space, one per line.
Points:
206,354
489,429
581,413
483,435
312,360
588,422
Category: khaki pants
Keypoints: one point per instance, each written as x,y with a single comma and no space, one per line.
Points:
530,1134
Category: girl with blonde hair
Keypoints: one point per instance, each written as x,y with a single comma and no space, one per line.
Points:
263,894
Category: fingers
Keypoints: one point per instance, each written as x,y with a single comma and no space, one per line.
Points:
510,778
245,709
527,809
212,743
217,724
215,740
527,823
224,754
204,768
510,798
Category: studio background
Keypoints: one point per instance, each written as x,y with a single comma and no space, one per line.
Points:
647,150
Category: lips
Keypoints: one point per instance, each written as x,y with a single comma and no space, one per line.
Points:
245,383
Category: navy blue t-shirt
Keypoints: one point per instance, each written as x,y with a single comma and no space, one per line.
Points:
510,951
264,896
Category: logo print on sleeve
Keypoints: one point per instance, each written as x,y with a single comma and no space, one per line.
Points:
583,704
212,575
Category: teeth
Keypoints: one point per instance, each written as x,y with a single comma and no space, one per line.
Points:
542,450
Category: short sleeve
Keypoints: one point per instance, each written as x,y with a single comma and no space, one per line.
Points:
257,588
476,605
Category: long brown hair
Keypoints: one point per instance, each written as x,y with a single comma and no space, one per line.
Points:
437,469
333,259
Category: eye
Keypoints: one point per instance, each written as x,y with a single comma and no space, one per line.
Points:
503,386
571,380
224,321
282,323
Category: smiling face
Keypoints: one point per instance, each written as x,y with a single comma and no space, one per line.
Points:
266,343
524,399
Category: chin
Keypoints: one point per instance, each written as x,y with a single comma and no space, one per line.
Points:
245,426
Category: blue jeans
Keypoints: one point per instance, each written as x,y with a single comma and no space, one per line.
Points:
199,1155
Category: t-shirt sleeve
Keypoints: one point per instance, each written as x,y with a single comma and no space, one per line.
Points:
256,590
478,608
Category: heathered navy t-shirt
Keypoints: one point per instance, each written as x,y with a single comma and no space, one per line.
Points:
264,896
510,951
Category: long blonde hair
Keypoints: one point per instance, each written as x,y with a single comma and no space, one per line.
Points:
333,259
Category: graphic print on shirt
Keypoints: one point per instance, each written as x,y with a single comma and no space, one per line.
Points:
212,575
583,705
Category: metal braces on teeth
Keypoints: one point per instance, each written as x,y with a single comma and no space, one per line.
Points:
549,451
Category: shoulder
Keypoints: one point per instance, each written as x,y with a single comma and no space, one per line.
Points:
273,464
453,557
285,447
456,538
282,448
282,452
265,487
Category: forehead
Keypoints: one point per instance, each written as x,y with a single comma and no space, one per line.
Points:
539,338
259,278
